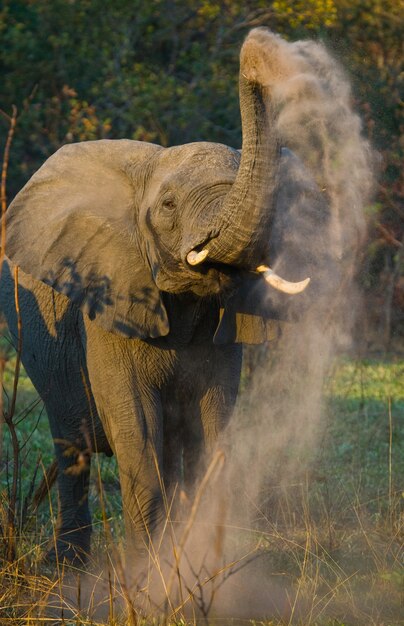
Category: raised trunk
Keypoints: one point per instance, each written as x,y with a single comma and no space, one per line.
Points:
244,221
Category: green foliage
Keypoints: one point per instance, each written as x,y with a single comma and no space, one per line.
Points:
166,71
367,36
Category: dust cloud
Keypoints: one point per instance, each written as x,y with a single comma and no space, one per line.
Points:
277,425
317,123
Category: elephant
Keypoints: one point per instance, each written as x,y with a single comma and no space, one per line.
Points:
142,272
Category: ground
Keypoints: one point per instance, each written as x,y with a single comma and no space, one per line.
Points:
328,539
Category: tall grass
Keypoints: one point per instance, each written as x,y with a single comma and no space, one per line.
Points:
323,549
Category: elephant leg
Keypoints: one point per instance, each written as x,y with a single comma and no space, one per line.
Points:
214,400
53,356
193,447
140,472
173,442
75,437
73,528
128,400
77,433
136,437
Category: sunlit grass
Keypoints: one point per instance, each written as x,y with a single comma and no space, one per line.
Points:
368,381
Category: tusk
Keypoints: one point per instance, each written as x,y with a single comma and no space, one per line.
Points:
194,258
280,283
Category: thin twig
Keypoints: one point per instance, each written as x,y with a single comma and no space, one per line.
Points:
19,346
6,156
390,463
217,461
45,485
8,418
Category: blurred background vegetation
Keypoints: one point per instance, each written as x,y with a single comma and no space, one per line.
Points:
166,71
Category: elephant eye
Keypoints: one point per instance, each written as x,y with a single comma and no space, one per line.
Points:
169,203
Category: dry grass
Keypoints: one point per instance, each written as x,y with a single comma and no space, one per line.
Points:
324,549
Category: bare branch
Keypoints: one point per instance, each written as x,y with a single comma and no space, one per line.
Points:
12,121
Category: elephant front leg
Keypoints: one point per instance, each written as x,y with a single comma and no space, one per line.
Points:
142,498
126,377
214,404
135,430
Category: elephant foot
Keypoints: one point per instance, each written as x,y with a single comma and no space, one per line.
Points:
72,548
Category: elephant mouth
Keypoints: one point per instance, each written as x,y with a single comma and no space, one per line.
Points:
199,256
194,255
207,273
216,278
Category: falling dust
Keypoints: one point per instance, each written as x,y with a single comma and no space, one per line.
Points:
277,424
221,565
317,123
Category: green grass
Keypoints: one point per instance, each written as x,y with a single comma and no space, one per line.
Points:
334,540
365,429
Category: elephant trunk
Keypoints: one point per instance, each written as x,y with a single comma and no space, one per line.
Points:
244,222
241,231
246,214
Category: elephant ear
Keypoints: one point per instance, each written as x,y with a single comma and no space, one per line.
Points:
74,227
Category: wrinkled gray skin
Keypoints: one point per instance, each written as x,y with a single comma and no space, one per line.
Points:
122,338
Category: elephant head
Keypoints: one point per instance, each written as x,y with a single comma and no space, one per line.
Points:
115,224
